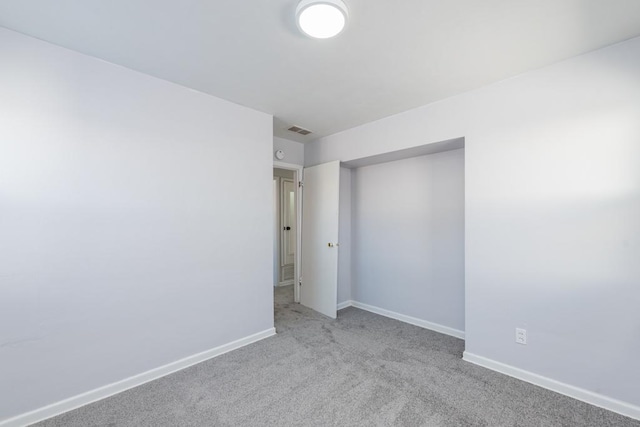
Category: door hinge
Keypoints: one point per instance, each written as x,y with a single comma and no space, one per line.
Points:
300,281
300,183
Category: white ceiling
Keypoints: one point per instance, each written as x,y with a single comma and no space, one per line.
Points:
394,55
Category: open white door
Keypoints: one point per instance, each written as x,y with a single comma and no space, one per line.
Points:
320,207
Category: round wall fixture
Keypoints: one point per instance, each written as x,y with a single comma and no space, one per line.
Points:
279,154
321,19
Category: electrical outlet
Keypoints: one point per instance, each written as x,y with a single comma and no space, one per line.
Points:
521,336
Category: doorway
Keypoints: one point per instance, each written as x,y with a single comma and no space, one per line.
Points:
285,227
320,251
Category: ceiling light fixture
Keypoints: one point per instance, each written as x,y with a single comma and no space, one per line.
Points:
321,19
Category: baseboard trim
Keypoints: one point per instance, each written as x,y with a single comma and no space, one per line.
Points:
83,399
344,304
408,319
581,394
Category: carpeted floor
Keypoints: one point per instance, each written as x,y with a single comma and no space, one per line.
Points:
359,370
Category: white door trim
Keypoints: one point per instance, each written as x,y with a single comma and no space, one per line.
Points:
276,231
283,254
298,177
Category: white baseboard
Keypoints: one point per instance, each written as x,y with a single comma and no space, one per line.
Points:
128,383
344,304
407,319
587,396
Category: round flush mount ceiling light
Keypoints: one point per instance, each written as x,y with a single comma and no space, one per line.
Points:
321,19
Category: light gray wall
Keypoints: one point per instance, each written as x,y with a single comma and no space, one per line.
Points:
408,237
124,243
293,151
552,204
344,233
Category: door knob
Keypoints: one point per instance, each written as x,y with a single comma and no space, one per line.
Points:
287,228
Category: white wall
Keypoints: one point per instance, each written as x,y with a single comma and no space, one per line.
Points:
408,237
552,206
344,233
124,242
293,151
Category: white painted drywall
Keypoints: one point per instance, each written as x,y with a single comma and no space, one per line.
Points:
293,151
408,237
552,205
124,244
344,233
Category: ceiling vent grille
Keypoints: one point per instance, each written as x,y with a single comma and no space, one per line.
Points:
298,129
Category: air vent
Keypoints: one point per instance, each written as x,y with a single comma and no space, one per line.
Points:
298,129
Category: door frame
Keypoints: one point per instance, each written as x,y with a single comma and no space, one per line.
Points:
297,178
283,207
